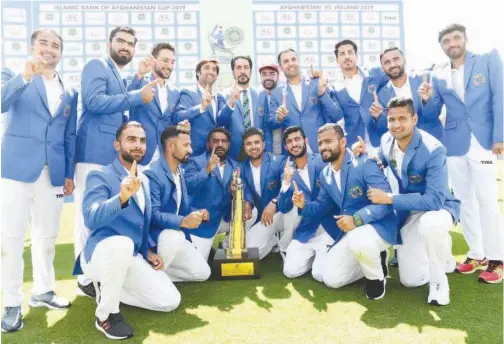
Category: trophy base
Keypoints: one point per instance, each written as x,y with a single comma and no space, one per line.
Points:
245,267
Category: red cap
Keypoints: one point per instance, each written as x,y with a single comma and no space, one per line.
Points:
269,66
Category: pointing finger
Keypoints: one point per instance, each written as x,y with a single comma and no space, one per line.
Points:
361,141
375,95
133,169
213,151
425,79
295,186
287,162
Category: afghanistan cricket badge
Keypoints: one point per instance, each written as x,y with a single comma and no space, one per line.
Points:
478,79
271,185
261,111
415,179
318,183
66,112
314,100
393,164
356,191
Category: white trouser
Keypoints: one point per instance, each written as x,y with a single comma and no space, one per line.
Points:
474,181
182,261
204,245
128,279
263,237
426,247
81,232
40,202
355,256
301,257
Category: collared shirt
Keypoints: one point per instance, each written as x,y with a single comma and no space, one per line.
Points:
398,156
256,174
123,75
305,176
178,188
404,90
297,90
140,193
337,177
221,170
250,104
54,90
353,86
214,102
458,81
163,96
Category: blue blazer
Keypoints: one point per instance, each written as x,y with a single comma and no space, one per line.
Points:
201,123
105,217
423,179
356,115
315,111
481,112
308,225
32,136
428,114
272,167
105,98
163,194
153,120
357,175
232,120
209,192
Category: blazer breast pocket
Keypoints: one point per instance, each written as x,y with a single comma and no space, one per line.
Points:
416,177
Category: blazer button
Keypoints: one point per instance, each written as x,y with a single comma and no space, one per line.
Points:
48,143
50,123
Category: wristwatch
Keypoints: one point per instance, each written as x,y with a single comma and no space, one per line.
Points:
274,200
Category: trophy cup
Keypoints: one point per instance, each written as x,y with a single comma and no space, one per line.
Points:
237,261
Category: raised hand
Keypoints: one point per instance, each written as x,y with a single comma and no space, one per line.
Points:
213,161
426,90
288,172
33,66
376,109
206,98
282,110
149,91
184,125
130,185
359,147
345,222
193,220
298,198
234,94
145,66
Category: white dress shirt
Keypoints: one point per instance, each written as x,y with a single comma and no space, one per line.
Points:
353,86
221,170
214,102
398,157
178,188
297,90
140,193
54,91
163,96
404,90
337,177
305,176
256,174
458,81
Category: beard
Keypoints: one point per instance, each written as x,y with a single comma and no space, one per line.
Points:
243,82
120,60
333,156
127,156
396,75
182,160
162,73
456,54
273,84
300,154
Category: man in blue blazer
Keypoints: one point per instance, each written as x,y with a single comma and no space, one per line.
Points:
117,256
243,108
354,91
200,106
159,114
269,81
261,173
38,159
364,231
406,85
425,206
471,88
106,101
309,234
208,178
170,210
301,101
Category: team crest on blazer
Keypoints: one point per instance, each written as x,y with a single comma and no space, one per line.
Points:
478,79
272,185
371,88
415,178
318,183
314,100
261,111
66,112
356,191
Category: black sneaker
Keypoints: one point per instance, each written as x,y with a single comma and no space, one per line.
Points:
375,289
115,327
394,262
383,257
87,290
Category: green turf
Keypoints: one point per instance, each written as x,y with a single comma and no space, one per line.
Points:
275,309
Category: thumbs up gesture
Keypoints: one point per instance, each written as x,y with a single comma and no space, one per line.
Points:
376,109
298,198
426,90
130,185
149,91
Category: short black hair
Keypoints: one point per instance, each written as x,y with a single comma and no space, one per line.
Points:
389,50
450,28
293,129
204,62
171,132
126,125
125,29
243,57
332,126
398,102
218,130
251,132
37,32
344,42
161,46
283,52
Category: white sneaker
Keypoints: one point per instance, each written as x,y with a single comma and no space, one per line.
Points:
439,293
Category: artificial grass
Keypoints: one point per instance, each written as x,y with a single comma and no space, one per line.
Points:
274,309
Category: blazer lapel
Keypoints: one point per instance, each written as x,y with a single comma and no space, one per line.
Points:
228,170
156,95
169,174
345,167
183,203
305,92
121,174
410,153
311,171
171,102
39,84
291,98
334,191
264,172
468,65
117,74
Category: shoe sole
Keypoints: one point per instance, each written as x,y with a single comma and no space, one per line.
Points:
482,280
472,271
20,327
436,303
383,294
36,304
81,293
109,336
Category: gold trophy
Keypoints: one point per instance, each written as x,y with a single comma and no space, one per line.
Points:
237,261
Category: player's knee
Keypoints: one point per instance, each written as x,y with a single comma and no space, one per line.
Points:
171,236
122,246
168,300
413,280
332,281
202,274
318,275
291,271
